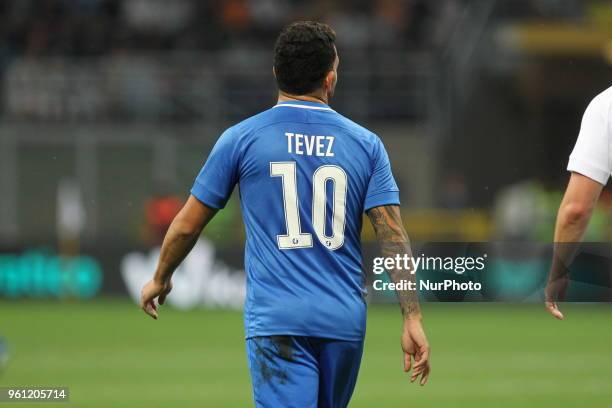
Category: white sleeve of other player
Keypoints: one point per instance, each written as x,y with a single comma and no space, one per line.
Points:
590,156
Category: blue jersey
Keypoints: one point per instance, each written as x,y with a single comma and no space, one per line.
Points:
306,175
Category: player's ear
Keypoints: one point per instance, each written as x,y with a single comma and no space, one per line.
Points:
330,79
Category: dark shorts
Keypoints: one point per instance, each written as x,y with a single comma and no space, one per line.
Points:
303,372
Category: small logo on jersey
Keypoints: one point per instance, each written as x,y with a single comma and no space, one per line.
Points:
295,241
328,243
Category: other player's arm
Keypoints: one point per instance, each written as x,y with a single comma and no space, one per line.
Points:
573,218
393,241
178,242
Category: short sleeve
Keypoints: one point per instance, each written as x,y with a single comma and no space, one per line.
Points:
216,180
382,189
590,156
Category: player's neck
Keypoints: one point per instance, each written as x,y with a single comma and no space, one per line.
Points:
285,97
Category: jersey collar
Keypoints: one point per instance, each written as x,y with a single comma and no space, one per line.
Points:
304,105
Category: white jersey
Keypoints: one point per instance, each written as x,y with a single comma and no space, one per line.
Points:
591,155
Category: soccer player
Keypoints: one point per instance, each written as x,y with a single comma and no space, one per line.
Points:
590,168
306,174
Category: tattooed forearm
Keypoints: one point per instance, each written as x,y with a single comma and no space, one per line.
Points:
394,241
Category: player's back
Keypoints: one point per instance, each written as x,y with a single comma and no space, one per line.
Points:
306,175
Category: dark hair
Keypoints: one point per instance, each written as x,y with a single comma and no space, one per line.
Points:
304,53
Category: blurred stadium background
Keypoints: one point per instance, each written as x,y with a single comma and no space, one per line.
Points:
108,109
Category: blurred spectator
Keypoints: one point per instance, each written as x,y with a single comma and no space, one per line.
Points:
160,210
161,16
235,15
519,209
390,21
269,13
453,191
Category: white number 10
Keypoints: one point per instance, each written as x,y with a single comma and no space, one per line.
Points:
295,238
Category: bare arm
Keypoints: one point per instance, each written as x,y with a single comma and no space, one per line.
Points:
573,218
179,241
393,241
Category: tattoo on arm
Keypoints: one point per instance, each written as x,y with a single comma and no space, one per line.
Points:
393,241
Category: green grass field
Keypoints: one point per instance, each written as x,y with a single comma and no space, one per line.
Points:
112,355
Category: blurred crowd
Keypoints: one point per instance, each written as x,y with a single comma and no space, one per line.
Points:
67,59
97,27
109,58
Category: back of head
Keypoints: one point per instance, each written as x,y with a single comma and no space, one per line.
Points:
303,55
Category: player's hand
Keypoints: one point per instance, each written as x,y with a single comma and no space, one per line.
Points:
150,291
553,309
415,347
555,290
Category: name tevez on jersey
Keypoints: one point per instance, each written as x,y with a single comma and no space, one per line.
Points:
310,145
